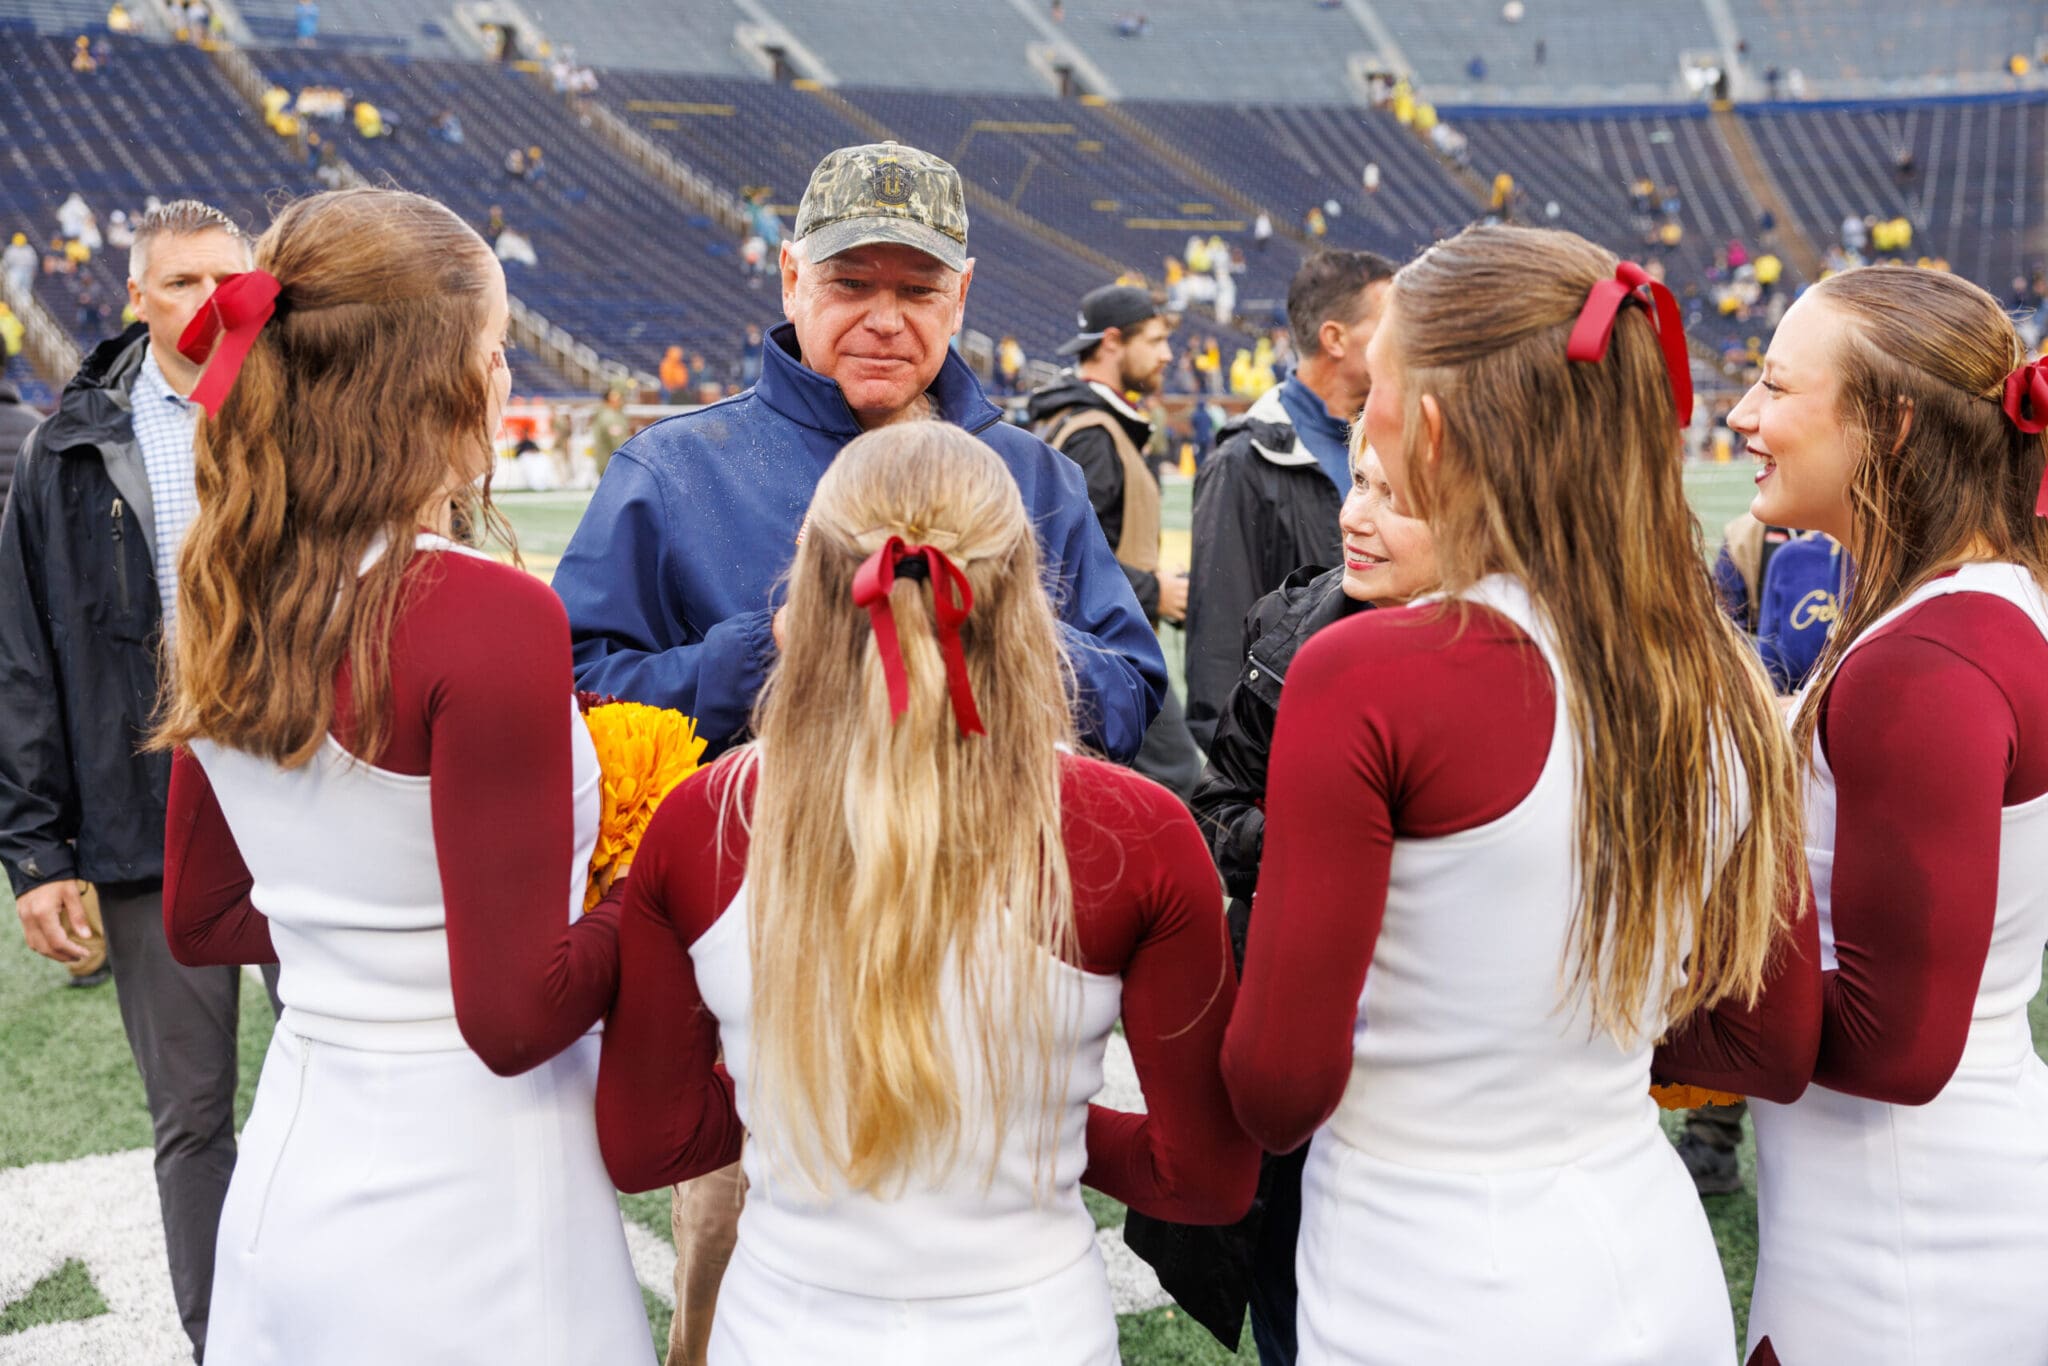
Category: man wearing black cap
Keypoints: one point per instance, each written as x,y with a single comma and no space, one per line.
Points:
1122,351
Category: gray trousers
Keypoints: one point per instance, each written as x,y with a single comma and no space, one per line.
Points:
181,1024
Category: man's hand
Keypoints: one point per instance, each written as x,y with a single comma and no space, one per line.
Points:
47,912
1173,597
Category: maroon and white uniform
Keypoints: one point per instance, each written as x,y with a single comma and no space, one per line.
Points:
1488,1180
992,1263
420,1178
1903,1200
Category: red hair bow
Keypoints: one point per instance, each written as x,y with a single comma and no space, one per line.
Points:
232,317
2026,403
952,600
1632,284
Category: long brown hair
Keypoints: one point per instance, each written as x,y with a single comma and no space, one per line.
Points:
361,402
897,866
1567,477
1941,474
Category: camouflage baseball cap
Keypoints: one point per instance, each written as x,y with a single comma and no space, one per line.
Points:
884,192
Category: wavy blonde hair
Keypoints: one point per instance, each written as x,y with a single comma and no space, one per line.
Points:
360,403
1568,477
898,868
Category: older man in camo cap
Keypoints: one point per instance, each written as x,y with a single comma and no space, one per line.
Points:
671,580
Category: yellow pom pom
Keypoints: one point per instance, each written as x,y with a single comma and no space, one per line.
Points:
643,752
1675,1097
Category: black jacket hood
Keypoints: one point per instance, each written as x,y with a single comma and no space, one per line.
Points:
95,407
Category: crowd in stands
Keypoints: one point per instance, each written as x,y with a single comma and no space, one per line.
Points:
1735,285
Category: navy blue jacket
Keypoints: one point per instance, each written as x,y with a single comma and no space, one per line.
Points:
1802,596
672,577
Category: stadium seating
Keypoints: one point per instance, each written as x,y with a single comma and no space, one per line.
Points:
621,266
1595,51
696,36
1837,43
1975,193
101,136
420,27
751,133
963,47
34,390
1584,162
1227,49
1292,157
625,269
1077,170
54,16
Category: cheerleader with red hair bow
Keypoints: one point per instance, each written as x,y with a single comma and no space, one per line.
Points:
1903,1200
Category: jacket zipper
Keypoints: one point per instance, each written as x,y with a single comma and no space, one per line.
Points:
120,557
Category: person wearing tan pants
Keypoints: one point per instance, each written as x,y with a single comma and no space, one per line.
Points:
704,1216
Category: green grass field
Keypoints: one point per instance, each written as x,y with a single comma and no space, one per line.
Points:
68,1088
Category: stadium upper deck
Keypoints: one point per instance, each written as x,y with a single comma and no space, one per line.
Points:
1224,109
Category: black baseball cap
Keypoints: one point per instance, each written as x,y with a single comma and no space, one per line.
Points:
1120,306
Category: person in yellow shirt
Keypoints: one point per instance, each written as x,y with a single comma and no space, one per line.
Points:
1262,377
369,120
1241,373
10,333
1769,269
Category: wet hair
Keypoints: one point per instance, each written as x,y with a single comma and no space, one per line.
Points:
1941,473
362,402
1568,477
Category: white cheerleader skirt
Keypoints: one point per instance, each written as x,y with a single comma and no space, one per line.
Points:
1605,1261
1895,1235
768,1319
417,1208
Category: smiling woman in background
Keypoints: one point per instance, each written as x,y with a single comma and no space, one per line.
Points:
1388,560
1903,1201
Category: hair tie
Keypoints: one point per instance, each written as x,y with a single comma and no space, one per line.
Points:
2026,403
1632,284
232,317
952,600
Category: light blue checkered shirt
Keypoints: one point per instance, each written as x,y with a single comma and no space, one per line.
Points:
163,429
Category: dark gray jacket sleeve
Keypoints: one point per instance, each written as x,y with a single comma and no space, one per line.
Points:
38,797
1223,587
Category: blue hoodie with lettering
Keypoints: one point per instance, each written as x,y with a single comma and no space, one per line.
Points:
673,575
1801,597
